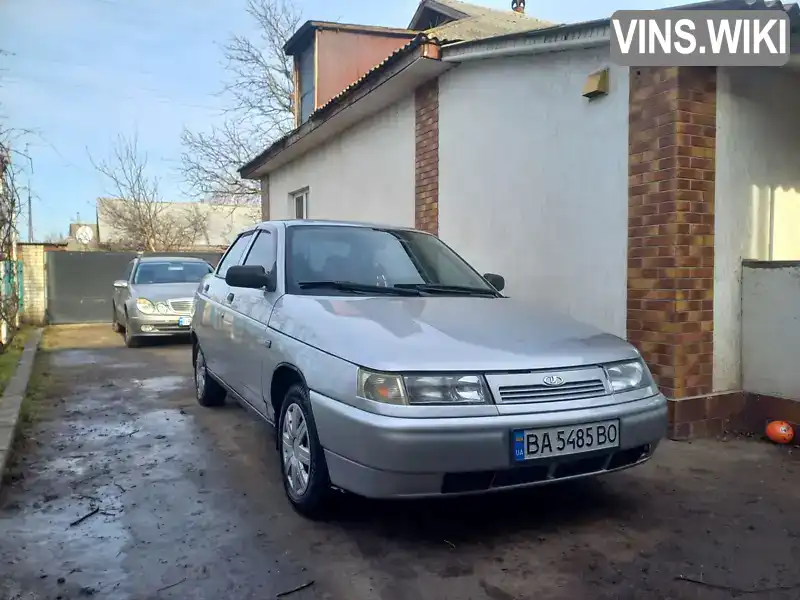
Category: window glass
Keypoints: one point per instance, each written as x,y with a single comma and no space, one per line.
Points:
263,252
300,206
373,256
234,254
171,272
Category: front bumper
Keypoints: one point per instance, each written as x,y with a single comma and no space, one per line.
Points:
382,457
159,325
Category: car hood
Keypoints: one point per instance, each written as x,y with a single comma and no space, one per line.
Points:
164,291
444,333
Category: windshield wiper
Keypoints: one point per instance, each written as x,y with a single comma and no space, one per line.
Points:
360,288
435,288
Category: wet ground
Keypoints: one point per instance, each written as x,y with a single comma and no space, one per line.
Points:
130,490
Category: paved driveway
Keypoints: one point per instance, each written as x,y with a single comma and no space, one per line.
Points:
183,502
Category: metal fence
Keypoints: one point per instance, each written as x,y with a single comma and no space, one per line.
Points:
80,284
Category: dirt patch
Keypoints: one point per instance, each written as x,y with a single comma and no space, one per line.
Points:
63,337
130,488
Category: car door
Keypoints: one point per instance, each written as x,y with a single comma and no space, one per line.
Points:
215,328
121,294
251,310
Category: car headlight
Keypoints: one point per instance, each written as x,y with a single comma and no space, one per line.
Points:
627,376
144,305
162,308
422,389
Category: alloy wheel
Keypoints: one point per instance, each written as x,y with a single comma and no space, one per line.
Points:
296,450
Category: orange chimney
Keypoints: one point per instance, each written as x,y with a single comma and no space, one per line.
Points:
518,6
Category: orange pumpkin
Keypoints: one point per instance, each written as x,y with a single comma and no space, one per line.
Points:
780,432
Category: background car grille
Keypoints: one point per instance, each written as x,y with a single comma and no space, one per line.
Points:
574,390
184,307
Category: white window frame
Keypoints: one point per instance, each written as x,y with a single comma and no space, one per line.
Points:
293,197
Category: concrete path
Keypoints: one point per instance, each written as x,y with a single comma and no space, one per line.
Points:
132,491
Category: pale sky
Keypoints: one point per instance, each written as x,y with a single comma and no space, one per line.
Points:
83,71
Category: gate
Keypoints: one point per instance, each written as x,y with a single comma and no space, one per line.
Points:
80,284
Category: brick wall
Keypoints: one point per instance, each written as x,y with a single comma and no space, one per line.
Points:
34,283
672,136
426,198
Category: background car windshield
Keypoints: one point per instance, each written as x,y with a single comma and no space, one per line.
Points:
170,272
370,256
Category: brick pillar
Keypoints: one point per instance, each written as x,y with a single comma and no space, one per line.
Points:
426,197
672,139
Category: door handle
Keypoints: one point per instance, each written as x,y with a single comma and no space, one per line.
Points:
230,297
205,288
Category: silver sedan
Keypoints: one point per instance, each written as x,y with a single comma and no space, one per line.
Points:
155,297
391,368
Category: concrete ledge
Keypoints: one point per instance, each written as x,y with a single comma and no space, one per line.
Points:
12,398
740,412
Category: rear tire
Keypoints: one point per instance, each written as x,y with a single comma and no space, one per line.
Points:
209,393
303,467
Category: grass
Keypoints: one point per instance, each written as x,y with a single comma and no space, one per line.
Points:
10,358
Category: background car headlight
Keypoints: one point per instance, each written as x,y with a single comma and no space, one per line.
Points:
145,306
423,389
628,376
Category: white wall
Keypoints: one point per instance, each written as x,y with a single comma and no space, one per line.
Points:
771,329
533,179
365,174
757,204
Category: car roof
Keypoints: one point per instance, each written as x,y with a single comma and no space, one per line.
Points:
334,223
146,259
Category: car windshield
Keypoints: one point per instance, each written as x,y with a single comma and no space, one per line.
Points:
170,272
321,258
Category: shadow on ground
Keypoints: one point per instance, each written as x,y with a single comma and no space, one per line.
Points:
131,490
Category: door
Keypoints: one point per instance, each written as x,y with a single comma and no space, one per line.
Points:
214,328
121,294
251,310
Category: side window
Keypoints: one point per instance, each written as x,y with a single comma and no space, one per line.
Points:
263,252
234,254
128,270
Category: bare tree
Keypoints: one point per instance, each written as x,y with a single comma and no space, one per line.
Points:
54,237
135,211
10,208
259,96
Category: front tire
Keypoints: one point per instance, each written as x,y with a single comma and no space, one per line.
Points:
303,467
115,326
209,393
131,341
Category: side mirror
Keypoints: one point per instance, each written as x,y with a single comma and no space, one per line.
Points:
120,284
254,277
496,281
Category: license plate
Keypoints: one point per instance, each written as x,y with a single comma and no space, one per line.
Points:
184,321
529,444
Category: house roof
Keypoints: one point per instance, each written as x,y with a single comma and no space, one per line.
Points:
301,37
481,22
407,53
591,31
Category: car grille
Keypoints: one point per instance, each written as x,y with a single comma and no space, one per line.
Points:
574,390
182,307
